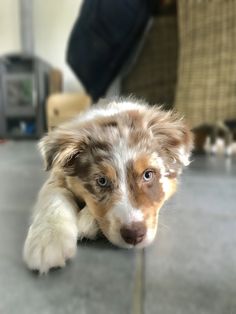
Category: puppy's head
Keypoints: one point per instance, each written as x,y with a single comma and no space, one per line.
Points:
124,162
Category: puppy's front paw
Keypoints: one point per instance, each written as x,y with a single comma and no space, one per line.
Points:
49,246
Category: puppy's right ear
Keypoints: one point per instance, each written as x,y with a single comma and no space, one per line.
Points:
48,149
59,147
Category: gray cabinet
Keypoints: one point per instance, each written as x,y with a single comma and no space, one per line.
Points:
23,93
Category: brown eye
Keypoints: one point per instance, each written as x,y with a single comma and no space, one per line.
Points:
148,175
103,182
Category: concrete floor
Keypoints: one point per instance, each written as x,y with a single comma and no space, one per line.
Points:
190,269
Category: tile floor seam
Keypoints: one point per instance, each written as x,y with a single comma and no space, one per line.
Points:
139,281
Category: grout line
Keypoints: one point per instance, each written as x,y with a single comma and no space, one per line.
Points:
138,291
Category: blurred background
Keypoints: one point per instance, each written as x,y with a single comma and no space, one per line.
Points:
58,58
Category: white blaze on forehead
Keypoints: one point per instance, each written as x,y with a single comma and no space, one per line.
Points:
124,210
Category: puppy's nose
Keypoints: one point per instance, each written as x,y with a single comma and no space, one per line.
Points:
134,233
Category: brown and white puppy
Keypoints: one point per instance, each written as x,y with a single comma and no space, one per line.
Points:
122,160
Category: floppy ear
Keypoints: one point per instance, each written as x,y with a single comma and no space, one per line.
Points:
172,138
60,146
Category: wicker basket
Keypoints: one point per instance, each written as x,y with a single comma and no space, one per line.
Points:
154,75
206,89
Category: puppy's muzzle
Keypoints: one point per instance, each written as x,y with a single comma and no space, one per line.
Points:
134,233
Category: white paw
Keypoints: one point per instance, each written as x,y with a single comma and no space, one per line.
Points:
48,245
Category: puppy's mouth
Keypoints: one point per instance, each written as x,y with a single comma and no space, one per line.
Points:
122,244
130,240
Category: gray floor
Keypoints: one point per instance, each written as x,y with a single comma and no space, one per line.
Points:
190,269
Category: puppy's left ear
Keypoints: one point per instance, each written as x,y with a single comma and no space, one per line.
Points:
172,138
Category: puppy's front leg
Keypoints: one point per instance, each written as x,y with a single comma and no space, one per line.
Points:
52,236
87,225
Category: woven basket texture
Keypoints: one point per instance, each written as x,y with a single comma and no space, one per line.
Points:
206,88
154,75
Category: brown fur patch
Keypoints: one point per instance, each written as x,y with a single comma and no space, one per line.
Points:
142,163
146,196
98,208
135,119
99,199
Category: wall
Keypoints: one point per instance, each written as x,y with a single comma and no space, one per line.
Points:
53,21
9,26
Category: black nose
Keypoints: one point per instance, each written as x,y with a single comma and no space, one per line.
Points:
134,233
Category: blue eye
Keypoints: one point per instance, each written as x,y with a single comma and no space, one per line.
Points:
148,175
103,182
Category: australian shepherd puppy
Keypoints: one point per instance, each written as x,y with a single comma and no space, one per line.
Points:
112,168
